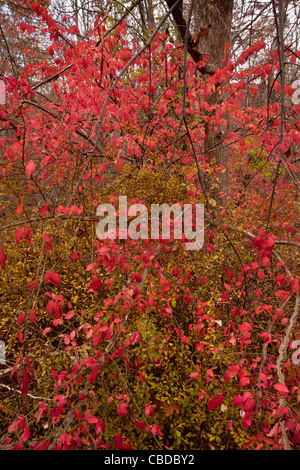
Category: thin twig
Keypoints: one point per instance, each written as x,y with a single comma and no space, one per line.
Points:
27,395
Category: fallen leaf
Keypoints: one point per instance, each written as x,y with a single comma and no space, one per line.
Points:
171,408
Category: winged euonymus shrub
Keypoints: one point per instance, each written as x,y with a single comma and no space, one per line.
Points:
142,344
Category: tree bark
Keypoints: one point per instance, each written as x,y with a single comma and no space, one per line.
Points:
212,28
147,15
212,22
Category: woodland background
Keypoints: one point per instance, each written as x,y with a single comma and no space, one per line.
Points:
141,344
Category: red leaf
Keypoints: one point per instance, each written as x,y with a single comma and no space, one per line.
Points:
281,388
93,375
267,69
23,27
25,383
233,370
97,337
267,338
29,365
95,283
175,271
21,318
16,424
136,277
244,327
20,232
237,400
12,81
19,209
119,165
92,266
43,210
69,315
35,7
100,426
122,409
244,381
269,244
32,316
30,168
26,435
28,236
54,309
89,417
162,111
2,258
248,404
184,339
77,414
119,442
154,429
52,277
193,375
297,434
215,402
294,285
122,444
22,423
139,424
46,330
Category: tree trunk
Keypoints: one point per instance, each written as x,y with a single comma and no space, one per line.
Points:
212,22
147,15
212,27
150,14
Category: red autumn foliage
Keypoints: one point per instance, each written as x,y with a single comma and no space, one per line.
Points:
132,330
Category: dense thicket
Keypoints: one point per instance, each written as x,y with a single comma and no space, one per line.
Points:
141,343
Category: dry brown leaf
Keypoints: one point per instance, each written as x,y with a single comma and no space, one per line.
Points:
171,408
